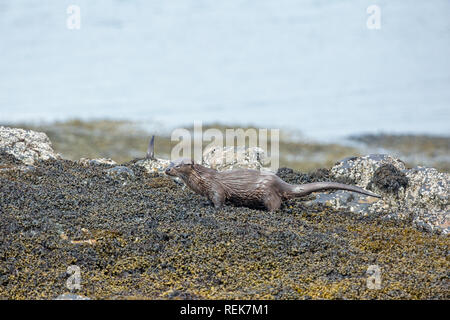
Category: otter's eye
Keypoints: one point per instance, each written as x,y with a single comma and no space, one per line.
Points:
178,166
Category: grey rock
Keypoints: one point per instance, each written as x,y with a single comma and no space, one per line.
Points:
228,158
100,161
361,169
120,173
216,158
427,197
419,194
158,166
71,296
22,168
26,146
154,165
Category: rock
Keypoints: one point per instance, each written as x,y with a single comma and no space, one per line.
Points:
241,157
27,146
100,161
419,194
345,200
361,170
120,173
215,157
22,168
153,165
427,197
71,296
151,240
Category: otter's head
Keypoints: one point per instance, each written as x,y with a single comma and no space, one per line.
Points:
180,168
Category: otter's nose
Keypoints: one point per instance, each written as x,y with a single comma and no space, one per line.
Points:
167,171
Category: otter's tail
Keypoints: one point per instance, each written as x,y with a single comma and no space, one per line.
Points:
305,189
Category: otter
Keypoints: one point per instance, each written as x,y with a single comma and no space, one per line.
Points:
246,187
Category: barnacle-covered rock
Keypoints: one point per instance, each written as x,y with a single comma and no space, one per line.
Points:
153,165
361,170
27,146
218,158
419,194
228,158
71,296
120,172
427,198
97,162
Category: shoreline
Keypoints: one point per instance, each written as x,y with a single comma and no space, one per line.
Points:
123,141
137,234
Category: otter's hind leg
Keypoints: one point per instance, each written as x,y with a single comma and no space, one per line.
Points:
217,198
272,201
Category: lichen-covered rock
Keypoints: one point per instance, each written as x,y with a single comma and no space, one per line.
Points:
100,161
27,146
419,194
153,165
216,158
228,158
351,201
12,167
362,169
427,197
71,296
120,173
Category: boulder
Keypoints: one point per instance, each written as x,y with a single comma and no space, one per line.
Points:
419,194
97,162
228,158
120,173
26,146
216,158
71,296
154,165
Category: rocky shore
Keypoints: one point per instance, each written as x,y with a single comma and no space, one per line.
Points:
124,141
135,233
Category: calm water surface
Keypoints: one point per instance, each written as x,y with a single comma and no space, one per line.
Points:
312,65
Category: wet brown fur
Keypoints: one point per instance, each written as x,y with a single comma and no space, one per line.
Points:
245,187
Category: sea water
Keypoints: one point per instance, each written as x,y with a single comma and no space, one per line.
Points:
314,66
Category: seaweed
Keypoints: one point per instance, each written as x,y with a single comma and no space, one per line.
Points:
145,237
